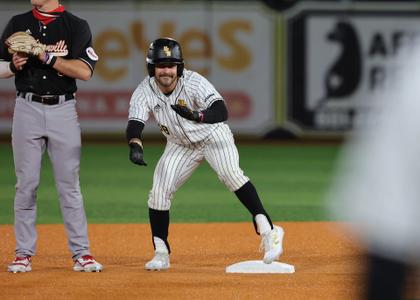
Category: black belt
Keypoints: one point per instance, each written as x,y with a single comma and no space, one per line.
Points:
45,99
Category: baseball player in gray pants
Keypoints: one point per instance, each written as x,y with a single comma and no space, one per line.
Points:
45,118
190,113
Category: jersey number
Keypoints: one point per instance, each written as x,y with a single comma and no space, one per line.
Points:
164,129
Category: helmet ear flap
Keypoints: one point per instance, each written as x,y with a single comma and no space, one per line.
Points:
151,69
180,69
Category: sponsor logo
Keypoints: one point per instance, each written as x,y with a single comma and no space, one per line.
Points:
341,60
91,53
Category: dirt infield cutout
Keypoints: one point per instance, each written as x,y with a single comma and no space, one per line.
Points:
328,265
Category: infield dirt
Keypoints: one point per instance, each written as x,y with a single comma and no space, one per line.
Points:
328,264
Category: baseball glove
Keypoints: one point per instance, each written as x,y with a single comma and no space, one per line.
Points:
23,42
187,113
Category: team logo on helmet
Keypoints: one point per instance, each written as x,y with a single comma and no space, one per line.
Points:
167,51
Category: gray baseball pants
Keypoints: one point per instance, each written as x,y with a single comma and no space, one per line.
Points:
37,127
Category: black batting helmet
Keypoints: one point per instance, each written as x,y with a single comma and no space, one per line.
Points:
164,50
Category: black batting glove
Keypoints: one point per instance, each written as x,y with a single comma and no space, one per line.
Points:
136,154
187,113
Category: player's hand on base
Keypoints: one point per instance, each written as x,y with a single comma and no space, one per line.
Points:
187,113
136,154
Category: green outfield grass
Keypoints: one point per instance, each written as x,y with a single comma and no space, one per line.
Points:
291,181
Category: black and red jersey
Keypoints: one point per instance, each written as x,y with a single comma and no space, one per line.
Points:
67,36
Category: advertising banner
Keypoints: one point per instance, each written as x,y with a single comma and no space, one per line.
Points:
231,45
339,58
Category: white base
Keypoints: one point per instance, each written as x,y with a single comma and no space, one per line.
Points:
258,266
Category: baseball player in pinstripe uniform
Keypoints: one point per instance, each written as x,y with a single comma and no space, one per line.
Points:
190,113
45,118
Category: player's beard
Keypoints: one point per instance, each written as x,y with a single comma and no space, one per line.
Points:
166,80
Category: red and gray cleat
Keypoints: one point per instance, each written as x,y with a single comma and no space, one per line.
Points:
20,265
87,263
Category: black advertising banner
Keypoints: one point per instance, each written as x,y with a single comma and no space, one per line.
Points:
339,59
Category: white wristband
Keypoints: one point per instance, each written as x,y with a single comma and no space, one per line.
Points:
136,141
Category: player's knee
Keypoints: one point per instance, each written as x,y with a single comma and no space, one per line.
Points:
25,202
70,198
162,205
233,180
158,201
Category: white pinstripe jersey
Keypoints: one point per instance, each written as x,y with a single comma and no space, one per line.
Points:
192,89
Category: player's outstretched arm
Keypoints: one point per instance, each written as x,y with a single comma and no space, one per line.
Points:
133,134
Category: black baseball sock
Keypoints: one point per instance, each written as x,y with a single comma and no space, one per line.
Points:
248,196
159,223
